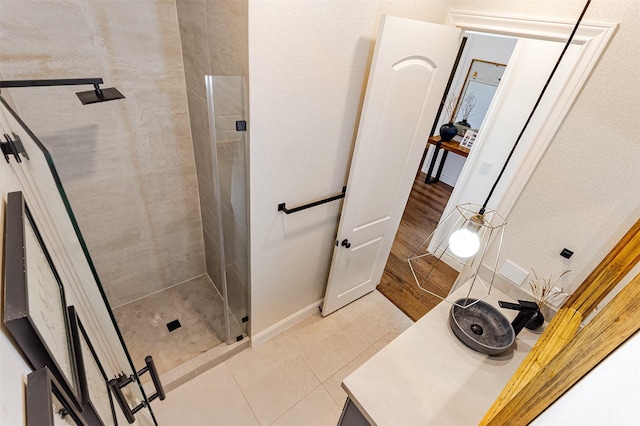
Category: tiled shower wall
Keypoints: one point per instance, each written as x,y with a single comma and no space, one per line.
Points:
126,165
214,42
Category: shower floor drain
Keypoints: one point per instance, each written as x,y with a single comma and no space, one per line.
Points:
174,325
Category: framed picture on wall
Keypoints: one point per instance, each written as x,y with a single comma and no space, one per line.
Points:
47,402
97,403
35,309
468,139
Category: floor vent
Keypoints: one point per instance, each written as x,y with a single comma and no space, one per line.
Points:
174,325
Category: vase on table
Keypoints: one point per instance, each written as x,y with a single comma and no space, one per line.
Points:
464,123
448,131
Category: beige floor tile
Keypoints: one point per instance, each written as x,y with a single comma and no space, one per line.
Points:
279,382
273,378
327,344
316,409
365,303
333,384
379,320
212,398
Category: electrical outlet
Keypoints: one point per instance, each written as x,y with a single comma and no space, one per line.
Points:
566,253
513,272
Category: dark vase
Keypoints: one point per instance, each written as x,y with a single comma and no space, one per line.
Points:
448,131
464,122
536,321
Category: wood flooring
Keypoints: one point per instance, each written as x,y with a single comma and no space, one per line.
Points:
424,209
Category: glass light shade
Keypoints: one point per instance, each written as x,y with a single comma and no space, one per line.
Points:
464,243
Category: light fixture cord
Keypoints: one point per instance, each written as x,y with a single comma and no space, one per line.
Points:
526,124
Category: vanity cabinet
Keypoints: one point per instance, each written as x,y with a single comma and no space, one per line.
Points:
351,416
426,376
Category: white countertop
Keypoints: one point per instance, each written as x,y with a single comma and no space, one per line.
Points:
427,376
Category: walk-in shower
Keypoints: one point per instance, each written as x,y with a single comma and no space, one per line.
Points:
190,324
187,326
164,212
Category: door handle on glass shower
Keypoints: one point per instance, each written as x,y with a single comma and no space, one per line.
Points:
116,385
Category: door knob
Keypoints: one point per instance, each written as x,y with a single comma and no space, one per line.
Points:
345,243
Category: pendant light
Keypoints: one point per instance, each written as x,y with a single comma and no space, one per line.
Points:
465,242
463,237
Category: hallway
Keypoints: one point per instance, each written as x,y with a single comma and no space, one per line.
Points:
424,208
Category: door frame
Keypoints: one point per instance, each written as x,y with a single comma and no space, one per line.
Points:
594,38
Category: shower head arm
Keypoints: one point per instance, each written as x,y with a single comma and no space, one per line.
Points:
89,97
50,82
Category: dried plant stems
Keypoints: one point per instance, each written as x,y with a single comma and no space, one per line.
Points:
544,290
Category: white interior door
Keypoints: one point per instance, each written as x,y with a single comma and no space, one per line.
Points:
411,65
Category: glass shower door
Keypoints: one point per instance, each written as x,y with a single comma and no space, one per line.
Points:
38,179
229,252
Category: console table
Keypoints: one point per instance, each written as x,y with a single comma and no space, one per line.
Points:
451,146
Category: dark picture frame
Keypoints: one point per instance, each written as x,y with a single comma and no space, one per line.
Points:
46,400
97,402
35,310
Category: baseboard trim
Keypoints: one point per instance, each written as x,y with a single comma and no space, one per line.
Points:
448,180
279,327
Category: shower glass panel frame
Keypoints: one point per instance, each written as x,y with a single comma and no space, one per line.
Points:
43,190
228,254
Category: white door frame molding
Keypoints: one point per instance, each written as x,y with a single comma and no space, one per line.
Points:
592,37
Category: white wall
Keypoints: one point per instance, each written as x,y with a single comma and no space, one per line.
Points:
307,71
479,46
608,395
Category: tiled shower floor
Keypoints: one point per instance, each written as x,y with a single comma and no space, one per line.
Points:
195,304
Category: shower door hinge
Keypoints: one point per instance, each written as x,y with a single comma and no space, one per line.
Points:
13,147
241,126
239,338
245,319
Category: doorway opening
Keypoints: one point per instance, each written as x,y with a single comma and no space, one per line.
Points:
474,82
534,57
537,49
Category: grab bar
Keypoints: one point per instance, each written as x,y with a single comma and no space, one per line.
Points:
282,207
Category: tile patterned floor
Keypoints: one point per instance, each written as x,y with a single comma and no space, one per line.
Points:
292,379
143,323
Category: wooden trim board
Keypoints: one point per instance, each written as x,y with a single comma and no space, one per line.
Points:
561,357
